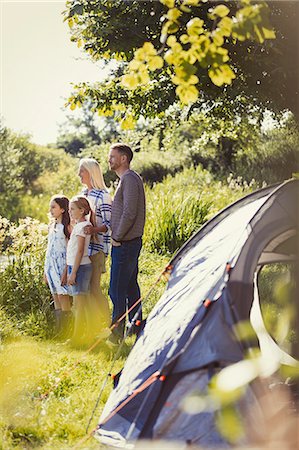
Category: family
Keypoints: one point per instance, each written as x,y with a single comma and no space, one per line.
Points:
81,233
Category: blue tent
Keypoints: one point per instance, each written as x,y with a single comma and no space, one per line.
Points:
189,335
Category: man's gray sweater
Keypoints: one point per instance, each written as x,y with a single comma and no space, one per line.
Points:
128,208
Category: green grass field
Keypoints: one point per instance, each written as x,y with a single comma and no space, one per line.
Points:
49,390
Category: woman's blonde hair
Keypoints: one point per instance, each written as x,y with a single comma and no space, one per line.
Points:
95,172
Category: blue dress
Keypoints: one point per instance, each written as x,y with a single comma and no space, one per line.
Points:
55,261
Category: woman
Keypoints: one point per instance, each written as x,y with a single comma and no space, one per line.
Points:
96,192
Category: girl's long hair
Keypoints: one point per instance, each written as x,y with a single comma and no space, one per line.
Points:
83,203
95,172
63,202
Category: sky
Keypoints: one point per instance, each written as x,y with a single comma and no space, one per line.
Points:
38,65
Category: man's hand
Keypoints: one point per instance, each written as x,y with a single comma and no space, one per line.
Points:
115,243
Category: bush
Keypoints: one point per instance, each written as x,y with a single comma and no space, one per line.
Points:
23,294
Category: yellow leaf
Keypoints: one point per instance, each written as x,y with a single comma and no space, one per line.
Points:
269,34
185,9
130,81
191,2
70,23
105,112
225,25
79,43
135,65
128,123
176,80
217,38
184,39
191,57
195,26
169,57
187,94
155,63
220,11
173,14
168,3
258,34
149,49
143,76
73,106
171,41
221,75
193,79
140,54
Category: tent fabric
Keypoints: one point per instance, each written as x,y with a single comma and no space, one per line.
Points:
172,424
181,336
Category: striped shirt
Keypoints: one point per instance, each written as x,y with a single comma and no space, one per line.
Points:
100,202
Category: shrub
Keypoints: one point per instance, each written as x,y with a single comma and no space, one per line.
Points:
23,294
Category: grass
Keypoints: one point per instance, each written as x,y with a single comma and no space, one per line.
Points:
71,380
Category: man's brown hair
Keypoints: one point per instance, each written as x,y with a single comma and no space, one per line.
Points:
124,149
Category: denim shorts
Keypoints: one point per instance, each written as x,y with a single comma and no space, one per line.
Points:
83,277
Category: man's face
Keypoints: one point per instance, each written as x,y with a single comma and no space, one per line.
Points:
115,159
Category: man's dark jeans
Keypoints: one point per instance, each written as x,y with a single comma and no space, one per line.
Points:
123,281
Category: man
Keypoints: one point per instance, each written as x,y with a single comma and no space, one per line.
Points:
127,224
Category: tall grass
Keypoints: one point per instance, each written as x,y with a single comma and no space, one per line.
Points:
179,206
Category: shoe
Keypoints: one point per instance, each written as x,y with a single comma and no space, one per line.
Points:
113,340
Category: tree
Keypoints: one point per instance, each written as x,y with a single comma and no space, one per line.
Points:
78,133
209,51
19,167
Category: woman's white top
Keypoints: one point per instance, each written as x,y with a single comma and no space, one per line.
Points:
72,246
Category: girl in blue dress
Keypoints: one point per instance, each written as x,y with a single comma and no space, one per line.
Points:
55,271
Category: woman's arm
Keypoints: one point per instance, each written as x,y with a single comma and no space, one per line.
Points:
90,229
103,210
79,255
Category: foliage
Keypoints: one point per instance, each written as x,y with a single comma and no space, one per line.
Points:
275,155
192,45
22,163
86,130
203,48
8,327
275,291
61,178
151,164
23,294
180,205
18,166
